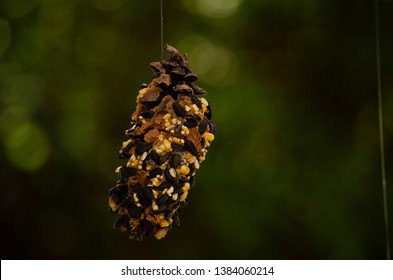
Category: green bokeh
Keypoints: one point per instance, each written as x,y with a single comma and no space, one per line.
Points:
294,171
27,147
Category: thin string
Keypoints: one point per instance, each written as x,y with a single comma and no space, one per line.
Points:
381,137
162,29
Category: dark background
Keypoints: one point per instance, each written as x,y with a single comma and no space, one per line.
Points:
294,172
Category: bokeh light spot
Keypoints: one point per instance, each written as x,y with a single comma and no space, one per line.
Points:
23,89
11,117
27,147
213,63
217,8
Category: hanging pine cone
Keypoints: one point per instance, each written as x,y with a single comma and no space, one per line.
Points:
169,137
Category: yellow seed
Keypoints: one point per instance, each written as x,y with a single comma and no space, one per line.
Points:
175,196
183,196
167,124
186,187
184,169
191,159
161,233
164,223
125,144
143,91
154,205
143,121
160,217
167,116
155,181
118,169
208,136
167,144
204,101
195,108
204,108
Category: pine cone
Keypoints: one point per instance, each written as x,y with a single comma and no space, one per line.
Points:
169,137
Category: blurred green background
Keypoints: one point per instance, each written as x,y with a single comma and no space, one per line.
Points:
294,172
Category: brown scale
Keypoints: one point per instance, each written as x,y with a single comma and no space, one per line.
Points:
169,137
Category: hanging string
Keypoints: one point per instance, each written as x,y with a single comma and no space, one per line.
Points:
162,29
381,137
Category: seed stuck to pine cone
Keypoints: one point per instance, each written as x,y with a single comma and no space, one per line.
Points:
169,137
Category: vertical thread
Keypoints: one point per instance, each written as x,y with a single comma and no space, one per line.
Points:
381,136
162,29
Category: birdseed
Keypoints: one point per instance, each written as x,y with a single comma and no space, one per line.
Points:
168,139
